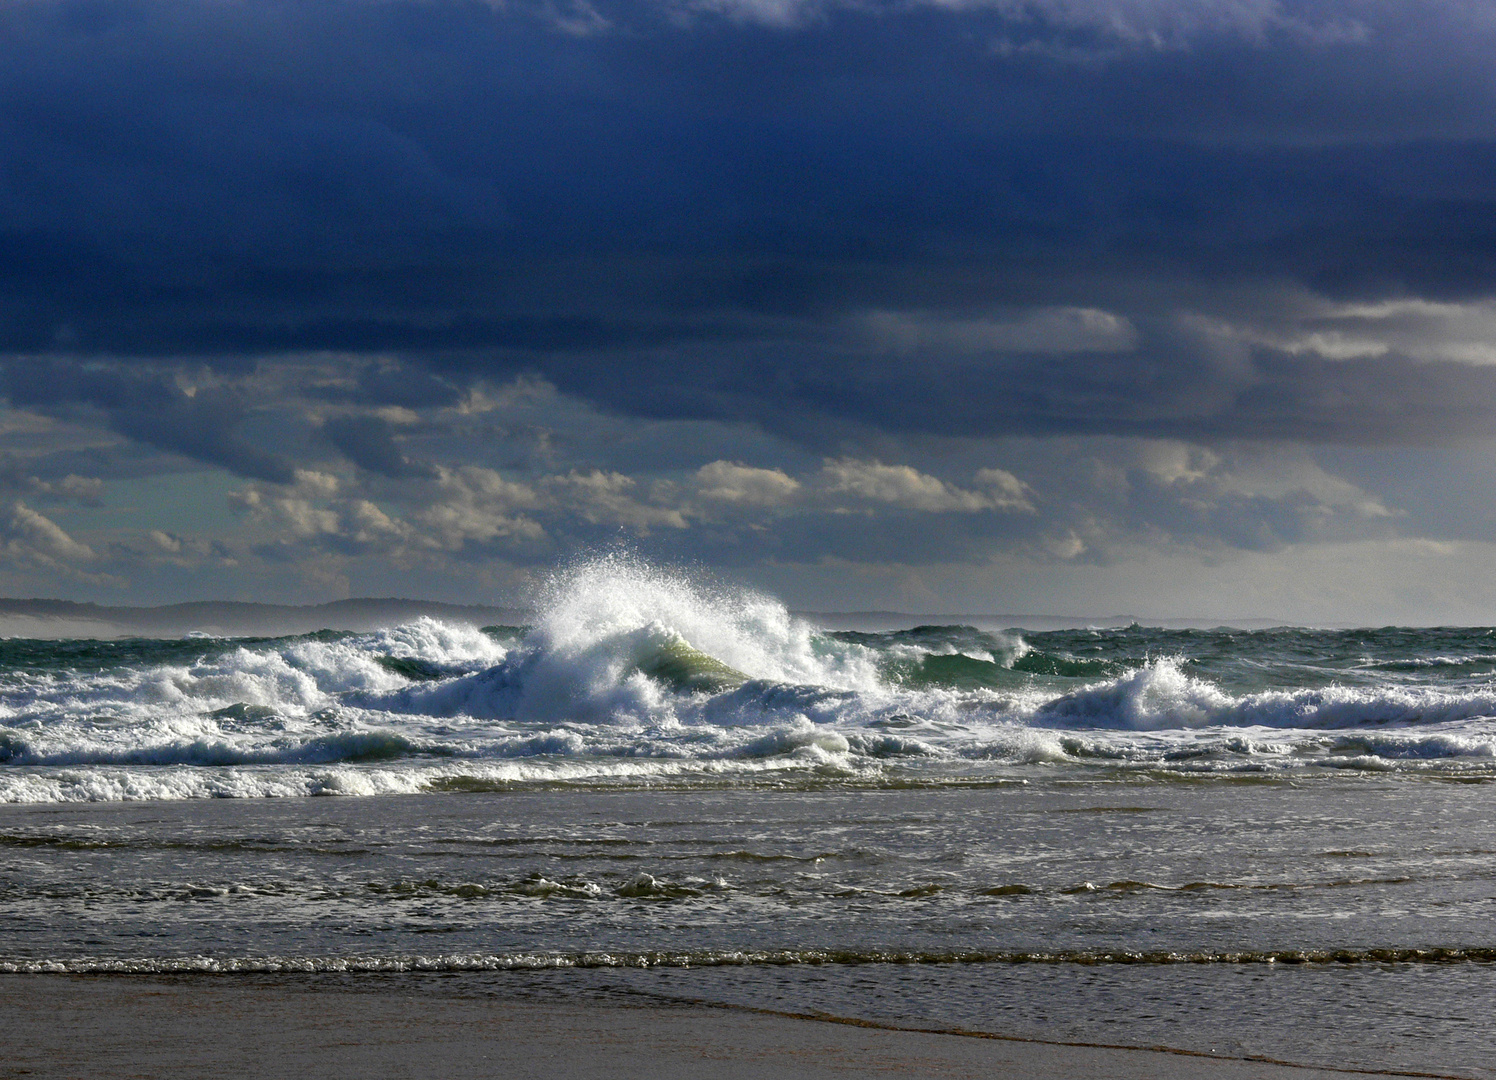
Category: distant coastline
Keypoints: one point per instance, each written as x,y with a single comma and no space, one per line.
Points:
230,618
41,618
897,620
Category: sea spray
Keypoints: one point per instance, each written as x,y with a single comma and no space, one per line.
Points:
634,674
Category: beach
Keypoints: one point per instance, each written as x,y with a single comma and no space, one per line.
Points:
458,1027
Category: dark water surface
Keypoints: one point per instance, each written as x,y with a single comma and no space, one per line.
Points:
1348,919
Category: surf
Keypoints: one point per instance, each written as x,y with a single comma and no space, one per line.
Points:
633,673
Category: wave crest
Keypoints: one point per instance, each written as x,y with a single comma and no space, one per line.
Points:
631,674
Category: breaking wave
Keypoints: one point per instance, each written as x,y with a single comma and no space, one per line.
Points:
633,674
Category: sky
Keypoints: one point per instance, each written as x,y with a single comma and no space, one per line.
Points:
1170,308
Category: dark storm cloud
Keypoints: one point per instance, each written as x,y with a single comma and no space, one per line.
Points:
385,383
1171,385
148,407
370,443
675,212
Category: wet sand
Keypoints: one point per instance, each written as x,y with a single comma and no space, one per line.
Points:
335,1027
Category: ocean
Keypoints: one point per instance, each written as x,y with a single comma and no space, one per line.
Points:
1272,842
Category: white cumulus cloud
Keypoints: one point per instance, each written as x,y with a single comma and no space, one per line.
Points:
909,489
30,536
744,485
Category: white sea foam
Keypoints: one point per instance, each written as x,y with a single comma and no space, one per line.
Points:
634,674
117,784
644,885
1161,695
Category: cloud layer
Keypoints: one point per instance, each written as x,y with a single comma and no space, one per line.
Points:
300,290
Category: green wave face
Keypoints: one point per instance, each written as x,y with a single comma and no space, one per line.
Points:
413,668
1068,667
682,667
955,671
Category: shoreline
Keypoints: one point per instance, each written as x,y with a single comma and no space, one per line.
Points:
182,1026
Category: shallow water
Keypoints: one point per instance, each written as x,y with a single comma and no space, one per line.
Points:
1341,920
